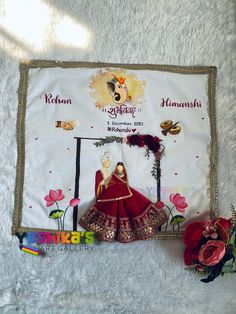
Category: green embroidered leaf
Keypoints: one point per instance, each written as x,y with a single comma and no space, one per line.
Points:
55,214
178,219
109,139
156,172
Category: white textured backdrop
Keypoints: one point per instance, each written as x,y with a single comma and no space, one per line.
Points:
141,277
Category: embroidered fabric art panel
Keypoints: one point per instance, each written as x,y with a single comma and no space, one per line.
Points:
126,151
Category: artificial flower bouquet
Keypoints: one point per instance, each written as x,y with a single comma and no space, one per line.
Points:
211,247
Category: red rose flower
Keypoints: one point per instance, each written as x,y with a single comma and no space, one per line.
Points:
193,234
211,253
148,139
223,227
225,223
134,139
154,147
156,139
141,142
191,256
152,142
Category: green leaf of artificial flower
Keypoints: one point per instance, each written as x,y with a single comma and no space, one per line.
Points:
228,269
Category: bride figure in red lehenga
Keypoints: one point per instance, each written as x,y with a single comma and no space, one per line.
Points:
121,213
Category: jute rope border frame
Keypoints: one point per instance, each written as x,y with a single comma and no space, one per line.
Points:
25,65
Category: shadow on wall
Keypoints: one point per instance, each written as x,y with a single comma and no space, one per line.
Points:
28,27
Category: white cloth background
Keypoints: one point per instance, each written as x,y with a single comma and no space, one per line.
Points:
142,277
50,152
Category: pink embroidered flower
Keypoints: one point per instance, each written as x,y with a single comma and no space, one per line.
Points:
160,204
211,253
179,202
74,202
53,196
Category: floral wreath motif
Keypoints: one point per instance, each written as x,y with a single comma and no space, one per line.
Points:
149,142
211,247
